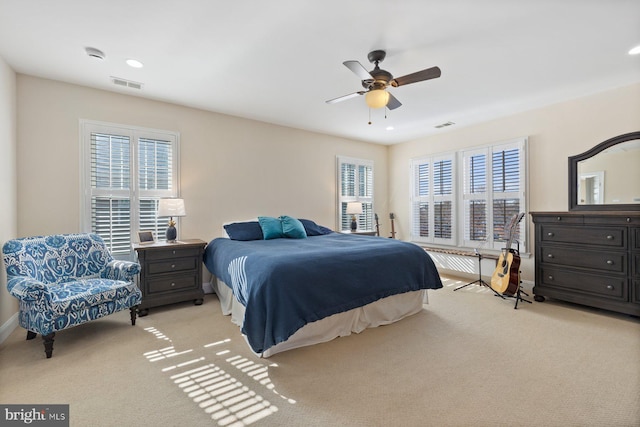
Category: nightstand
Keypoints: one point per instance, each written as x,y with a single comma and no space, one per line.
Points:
171,272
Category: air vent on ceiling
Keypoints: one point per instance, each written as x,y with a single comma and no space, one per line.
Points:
126,83
444,125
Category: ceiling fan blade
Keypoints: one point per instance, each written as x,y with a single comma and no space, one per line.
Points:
393,102
429,73
345,97
358,70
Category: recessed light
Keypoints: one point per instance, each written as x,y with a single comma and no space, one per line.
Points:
134,63
635,50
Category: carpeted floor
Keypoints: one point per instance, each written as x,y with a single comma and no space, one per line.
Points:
468,359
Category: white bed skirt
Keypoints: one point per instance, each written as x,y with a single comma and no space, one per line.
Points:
382,312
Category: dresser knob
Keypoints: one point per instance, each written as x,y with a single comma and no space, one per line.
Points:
174,252
173,266
609,262
550,234
628,219
173,284
550,277
559,218
610,287
609,237
550,256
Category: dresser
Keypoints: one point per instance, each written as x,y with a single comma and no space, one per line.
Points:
170,273
590,258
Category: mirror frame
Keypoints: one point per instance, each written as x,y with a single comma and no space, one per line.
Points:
573,176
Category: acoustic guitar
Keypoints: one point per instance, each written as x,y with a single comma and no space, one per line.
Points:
377,225
506,277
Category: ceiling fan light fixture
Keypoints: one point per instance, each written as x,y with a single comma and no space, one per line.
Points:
377,98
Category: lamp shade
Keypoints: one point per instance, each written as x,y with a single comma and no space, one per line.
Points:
171,207
354,208
377,98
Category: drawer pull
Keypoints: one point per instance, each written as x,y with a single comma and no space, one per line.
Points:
628,219
173,266
559,218
173,284
174,252
550,234
550,277
550,256
609,237
609,262
610,287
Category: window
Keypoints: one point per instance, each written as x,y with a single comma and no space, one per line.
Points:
126,171
433,196
492,189
355,181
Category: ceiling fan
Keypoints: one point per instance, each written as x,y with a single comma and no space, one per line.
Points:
377,80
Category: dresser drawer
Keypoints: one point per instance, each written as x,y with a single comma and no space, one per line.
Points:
615,262
176,264
601,285
558,218
171,283
612,237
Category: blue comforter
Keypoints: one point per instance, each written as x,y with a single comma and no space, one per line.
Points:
286,283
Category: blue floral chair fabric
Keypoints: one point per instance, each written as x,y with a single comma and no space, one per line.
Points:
65,280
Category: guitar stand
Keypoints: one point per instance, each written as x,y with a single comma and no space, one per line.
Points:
518,295
480,282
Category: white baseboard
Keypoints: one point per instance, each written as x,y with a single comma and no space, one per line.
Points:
8,327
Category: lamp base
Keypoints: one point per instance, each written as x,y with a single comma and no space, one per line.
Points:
172,233
354,224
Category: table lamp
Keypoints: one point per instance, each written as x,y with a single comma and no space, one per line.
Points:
353,209
171,208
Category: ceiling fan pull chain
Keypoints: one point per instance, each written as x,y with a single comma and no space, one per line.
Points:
369,115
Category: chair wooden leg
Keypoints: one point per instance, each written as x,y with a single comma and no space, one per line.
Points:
48,344
134,312
31,335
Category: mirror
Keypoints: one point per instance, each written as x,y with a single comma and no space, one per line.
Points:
607,177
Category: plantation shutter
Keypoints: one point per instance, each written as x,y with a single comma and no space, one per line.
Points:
433,200
355,185
111,189
507,195
475,195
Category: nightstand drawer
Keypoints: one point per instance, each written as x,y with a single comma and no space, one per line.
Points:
171,283
177,264
173,252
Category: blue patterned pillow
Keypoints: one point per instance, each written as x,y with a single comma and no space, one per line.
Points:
271,227
292,228
244,231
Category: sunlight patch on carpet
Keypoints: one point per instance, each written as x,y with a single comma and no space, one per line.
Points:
218,393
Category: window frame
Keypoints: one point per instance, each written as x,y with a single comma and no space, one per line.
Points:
367,217
134,194
489,196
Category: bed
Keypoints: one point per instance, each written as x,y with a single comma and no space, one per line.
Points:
298,288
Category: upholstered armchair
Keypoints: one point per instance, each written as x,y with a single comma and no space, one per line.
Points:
65,280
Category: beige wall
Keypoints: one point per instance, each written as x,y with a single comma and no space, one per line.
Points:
8,203
555,133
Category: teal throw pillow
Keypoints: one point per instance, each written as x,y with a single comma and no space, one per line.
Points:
292,227
271,227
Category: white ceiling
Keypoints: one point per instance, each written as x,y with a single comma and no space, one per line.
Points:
278,61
